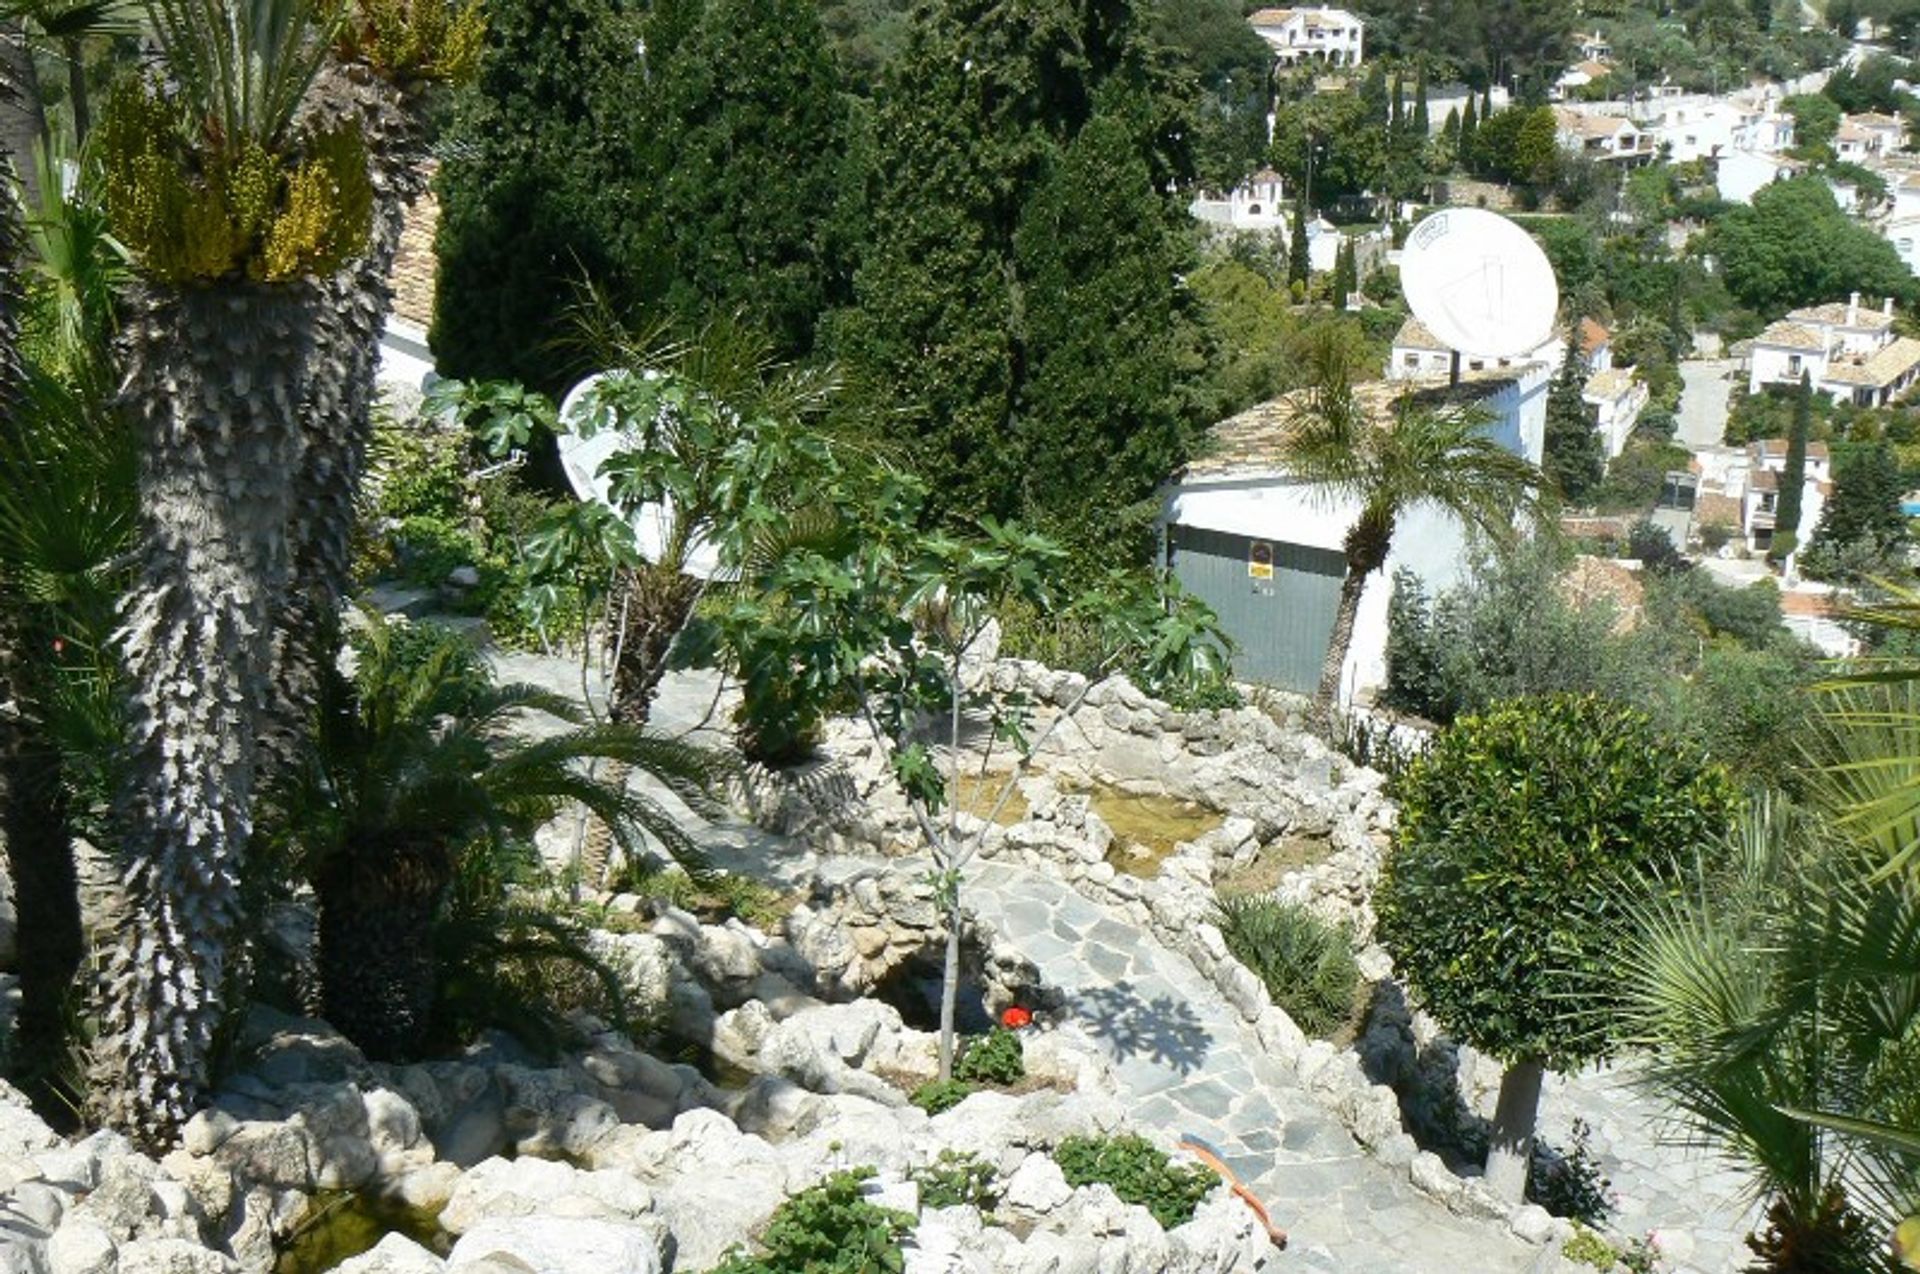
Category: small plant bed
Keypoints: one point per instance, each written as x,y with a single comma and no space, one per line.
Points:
956,1179
830,1228
994,1061
1139,1172
1306,963
712,899
1146,829
1271,865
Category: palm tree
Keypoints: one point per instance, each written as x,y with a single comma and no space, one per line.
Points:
227,209
417,761
1435,452
384,60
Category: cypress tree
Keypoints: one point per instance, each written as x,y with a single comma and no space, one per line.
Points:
1397,118
1345,273
1793,478
536,190
1299,252
1422,121
1469,127
1572,454
976,144
753,128
1100,420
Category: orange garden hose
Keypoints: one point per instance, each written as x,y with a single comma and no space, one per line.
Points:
1206,1154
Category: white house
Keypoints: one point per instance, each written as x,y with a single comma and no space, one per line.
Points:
1612,138
1312,34
1903,232
1743,173
1617,396
1594,47
1760,501
1848,350
1868,136
1263,548
1258,203
1579,76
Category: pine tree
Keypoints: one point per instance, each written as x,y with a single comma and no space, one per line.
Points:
1793,478
754,127
1299,252
1572,454
537,188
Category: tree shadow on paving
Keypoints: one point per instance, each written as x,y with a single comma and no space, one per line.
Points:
1161,1029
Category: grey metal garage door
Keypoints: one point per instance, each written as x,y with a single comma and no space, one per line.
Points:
1281,624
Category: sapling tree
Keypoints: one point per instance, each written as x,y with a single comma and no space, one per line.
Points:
1526,835
892,620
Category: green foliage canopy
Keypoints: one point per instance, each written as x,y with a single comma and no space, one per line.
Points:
1795,246
1521,832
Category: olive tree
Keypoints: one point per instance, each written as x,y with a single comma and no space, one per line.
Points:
1526,835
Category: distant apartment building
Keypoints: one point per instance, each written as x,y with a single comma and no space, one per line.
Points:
1331,37
1848,351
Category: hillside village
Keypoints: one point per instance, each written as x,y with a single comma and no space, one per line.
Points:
837,637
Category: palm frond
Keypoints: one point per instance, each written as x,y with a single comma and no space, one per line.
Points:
243,66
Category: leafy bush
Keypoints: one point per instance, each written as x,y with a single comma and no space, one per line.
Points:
995,1058
1139,1173
937,1096
713,896
955,1179
1306,963
1522,833
829,1228
1569,1183
1649,544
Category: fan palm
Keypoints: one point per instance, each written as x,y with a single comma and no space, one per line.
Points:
1434,452
416,761
228,209
385,58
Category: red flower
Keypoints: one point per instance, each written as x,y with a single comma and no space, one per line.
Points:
1016,1017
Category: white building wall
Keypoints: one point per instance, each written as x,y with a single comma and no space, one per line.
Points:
1742,173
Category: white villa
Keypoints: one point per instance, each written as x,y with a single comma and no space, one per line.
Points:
1594,47
1617,396
1740,486
1330,36
1258,203
1865,137
1849,350
1614,138
1264,548
1744,173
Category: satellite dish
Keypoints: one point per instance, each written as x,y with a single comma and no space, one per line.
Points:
1479,283
581,458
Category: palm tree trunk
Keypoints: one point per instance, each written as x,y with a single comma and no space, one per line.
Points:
377,983
76,55
215,377
23,117
337,418
654,606
1326,697
1366,546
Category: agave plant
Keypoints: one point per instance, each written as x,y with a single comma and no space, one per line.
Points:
420,761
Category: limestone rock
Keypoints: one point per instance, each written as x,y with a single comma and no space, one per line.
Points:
1037,1186
393,1254
513,1188
552,1245
82,1247
173,1256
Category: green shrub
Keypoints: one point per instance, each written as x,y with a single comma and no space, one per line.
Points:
955,1179
1524,833
1306,963
1139,1173
995,1058
939,1095
829,1228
